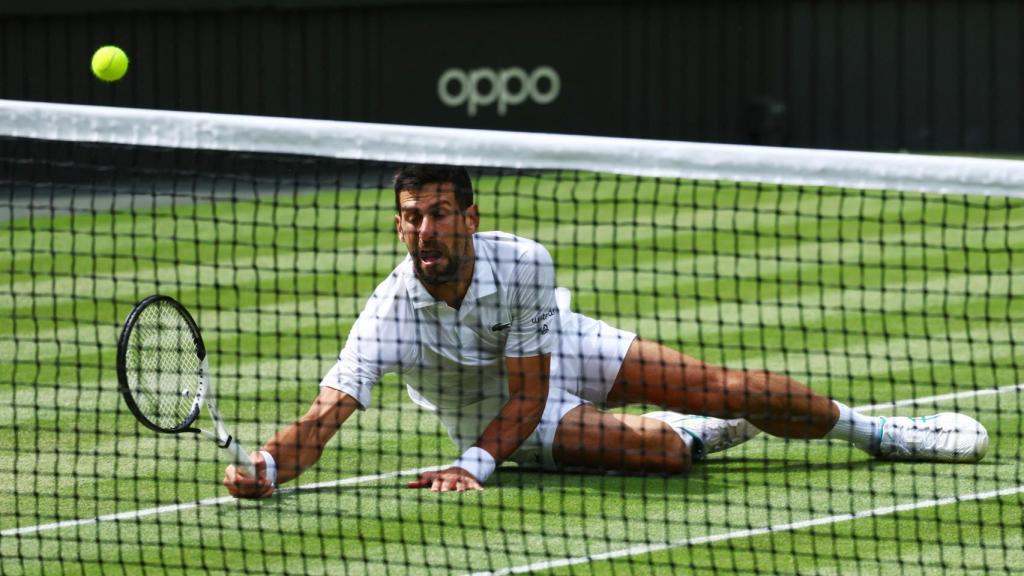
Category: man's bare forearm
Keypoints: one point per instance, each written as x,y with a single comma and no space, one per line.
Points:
513,425
528,393
300,445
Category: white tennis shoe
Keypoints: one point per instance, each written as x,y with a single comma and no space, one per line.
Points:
945,437
710,434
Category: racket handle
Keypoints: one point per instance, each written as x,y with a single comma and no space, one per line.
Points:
241,458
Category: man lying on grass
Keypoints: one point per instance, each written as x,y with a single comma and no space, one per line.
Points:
475,327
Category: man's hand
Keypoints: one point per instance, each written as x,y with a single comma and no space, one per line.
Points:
448,480
242,486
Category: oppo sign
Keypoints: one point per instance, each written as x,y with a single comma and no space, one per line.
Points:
482,87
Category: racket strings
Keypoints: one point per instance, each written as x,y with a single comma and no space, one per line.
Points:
163,366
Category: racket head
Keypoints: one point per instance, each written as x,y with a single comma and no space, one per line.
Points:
161,368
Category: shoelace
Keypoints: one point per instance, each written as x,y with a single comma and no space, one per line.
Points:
736,431
915,439
733,431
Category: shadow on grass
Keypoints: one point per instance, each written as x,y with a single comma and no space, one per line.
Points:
731,466
511,477
709,477
704,478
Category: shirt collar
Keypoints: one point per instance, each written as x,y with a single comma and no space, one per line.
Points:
483,284
417,293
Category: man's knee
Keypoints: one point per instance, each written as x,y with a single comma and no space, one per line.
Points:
589,438
658,448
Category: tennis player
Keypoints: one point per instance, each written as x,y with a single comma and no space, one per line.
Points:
476,328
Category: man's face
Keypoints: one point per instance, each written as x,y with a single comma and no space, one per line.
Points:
436,233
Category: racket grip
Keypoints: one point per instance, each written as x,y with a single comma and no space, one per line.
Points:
241,458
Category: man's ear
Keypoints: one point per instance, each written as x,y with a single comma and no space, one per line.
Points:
398,227
472,218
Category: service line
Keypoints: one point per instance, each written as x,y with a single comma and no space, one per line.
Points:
751,532
836,519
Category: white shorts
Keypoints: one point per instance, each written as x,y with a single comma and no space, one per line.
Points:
583,369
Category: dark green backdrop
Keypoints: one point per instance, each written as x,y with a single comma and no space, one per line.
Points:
941,75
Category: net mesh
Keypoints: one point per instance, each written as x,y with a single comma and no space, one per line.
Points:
898,297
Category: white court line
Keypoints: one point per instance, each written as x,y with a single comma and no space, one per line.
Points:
884,511
838,518
941,397
131,514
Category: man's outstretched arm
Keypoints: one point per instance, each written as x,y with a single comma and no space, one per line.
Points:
528,393
295,447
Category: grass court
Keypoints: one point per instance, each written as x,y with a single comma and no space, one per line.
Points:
870,297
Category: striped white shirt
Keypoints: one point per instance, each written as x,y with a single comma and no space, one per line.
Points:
450,359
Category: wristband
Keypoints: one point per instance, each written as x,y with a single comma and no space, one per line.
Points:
477,462
271,467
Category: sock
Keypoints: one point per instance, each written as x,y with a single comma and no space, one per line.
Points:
860,430
693,443
688,438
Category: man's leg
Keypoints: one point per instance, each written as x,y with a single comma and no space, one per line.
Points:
590,438
655,374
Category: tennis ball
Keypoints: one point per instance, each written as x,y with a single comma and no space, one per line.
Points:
109,63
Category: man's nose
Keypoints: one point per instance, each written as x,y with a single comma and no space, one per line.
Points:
428,227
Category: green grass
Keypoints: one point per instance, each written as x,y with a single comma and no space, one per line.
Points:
867,296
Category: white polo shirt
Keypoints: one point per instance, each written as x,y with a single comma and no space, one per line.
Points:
451,359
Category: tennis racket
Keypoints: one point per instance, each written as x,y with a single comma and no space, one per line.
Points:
164,374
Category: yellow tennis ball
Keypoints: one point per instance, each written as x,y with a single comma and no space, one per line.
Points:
109,63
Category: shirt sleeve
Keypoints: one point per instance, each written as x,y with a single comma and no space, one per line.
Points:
369,353
534,313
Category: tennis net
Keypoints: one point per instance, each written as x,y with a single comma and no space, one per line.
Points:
890,282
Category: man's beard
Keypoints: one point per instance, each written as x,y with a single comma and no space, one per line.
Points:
450,273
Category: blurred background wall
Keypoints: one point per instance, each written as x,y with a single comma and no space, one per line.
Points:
941,75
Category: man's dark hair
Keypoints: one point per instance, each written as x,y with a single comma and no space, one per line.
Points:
416,176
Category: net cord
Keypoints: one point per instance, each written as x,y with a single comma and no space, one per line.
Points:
518,150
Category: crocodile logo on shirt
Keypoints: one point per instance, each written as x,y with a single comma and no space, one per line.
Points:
500,326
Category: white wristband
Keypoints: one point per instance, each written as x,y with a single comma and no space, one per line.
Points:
271,467
477,462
